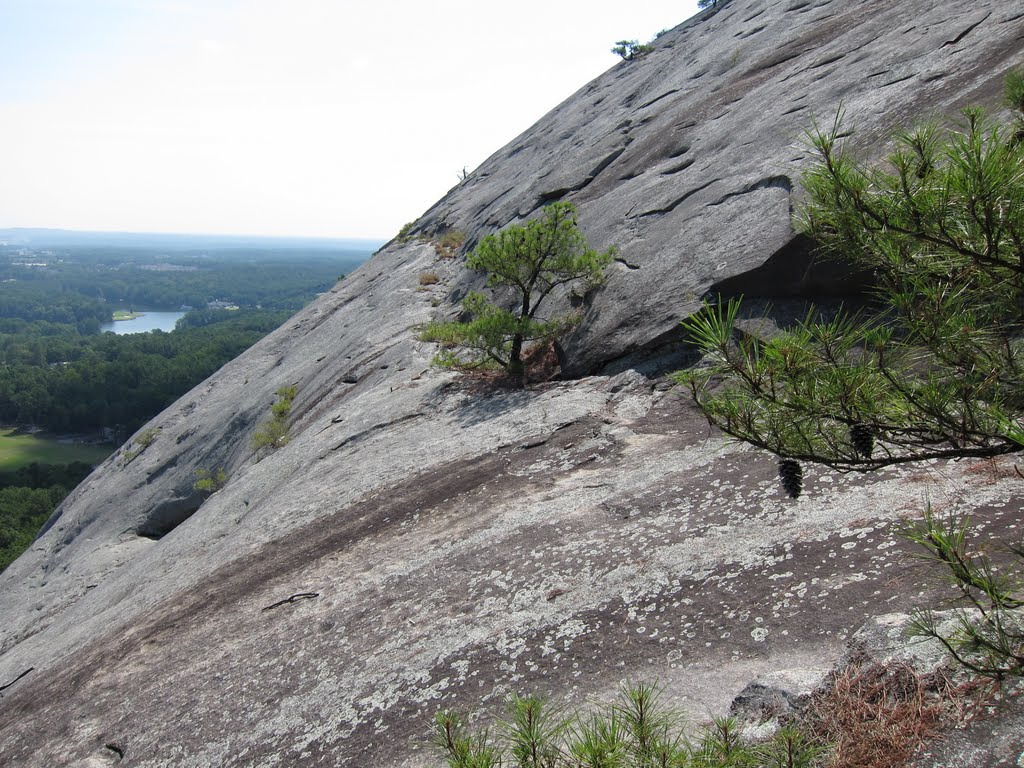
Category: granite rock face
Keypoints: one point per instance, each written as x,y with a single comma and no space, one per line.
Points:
687,159
425,541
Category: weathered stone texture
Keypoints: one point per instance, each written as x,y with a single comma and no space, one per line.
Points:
464,541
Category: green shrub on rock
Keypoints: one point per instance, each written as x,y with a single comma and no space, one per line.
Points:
273,433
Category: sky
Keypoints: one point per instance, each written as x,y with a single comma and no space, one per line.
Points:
317,118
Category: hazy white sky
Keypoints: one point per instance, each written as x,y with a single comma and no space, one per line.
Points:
283,117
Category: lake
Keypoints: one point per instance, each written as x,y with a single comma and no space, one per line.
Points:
149,321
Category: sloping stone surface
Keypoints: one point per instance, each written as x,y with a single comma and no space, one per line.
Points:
686,159
464,541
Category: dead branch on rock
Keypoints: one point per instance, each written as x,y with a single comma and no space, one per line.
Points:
293,599
8,685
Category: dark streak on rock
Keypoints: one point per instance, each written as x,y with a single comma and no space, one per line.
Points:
532,444
682,149
754,31
827,60
773,61
626,264
556,194
173,462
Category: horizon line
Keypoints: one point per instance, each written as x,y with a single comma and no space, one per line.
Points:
71,230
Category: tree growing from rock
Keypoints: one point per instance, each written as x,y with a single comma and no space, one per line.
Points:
631,49
530,261
933,370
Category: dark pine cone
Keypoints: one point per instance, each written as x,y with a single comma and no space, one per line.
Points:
863,439
792,477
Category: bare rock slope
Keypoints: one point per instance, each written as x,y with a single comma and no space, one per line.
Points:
424,541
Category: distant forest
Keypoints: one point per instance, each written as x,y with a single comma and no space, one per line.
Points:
58,372
82,285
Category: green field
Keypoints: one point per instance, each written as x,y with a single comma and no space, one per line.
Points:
18,449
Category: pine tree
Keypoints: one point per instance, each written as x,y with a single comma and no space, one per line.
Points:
933,369
532,260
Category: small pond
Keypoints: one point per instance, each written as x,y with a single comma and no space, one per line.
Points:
144,323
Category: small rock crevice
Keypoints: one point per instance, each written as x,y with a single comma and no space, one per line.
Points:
363,434
678,167
557,194
5,686
678,201
168,515
117,750
291,599
656,99
967,31
776,182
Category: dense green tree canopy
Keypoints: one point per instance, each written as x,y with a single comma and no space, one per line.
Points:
67,382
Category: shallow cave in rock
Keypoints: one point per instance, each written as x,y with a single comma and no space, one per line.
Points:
167,516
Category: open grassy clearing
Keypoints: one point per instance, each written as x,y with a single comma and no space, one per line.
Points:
18,449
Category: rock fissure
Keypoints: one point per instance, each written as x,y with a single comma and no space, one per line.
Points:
365,433
678,201
772,182
656,99
966,31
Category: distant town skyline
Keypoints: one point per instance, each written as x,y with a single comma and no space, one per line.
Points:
316,118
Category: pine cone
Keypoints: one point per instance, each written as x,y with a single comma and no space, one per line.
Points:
863,439
792,477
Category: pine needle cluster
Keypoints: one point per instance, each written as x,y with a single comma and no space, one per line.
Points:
636,732
935,367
